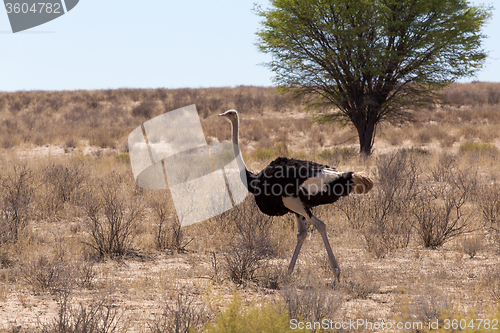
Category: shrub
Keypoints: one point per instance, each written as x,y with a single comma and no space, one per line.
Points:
422,305
472,245
168,234
182,317
488,200
16,198
243,258
269,153
250,245
48,274
101,138
144,109
440,209
112,216
273,275
385,208
312,304
86,274
337,154
123,158
100,317
62,184
481,148
264,154
357,282
265,318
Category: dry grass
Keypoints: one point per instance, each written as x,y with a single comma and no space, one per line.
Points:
80,244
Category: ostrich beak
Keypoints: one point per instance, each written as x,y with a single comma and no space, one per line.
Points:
222,115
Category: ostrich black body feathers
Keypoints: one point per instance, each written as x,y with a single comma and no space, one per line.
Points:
314,184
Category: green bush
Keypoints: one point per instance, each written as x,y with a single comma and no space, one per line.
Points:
344,153
264,154
123,158
266,318
475,147
272,152
469,323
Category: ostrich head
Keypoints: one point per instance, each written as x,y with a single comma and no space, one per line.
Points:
230,115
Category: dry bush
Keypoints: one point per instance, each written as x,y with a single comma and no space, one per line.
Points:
358,282
168,234
181,317
440,209
16,202
113,213
488,200
273,275
52,274
251,243
243,258
312,303
423,304
86,274
60,184
100,138
356,210
425,135
101,316
144,109
447,140
491,281
387,225
472,245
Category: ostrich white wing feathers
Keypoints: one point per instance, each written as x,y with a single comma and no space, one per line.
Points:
318,183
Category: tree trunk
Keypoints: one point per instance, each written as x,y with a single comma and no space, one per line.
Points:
365,134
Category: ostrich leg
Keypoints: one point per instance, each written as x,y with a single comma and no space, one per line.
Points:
321,227
301,236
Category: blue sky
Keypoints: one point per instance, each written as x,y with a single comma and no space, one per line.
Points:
150,44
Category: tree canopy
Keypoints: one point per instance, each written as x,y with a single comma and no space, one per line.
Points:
368,59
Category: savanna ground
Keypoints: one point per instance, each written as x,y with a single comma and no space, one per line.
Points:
84,250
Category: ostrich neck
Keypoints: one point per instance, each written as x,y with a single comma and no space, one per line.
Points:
239,158
235,132
236,148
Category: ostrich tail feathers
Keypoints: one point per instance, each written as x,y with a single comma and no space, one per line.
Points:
362,184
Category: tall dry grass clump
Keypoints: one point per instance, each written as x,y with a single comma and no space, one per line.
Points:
441,208
16,202
313,303
382,216
101,316
168,234
183,316
113,212
251,244
488,200
60,185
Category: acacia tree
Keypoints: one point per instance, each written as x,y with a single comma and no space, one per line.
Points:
365,60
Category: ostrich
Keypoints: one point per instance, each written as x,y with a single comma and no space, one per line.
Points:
288,185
